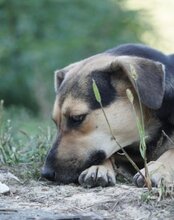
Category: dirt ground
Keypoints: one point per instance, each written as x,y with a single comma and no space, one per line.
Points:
37,200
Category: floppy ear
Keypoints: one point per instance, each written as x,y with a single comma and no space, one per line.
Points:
59,75
147,77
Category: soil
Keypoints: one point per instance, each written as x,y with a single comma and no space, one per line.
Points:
37,200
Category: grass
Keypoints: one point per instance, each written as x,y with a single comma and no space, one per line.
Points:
24,141
164,189
140,126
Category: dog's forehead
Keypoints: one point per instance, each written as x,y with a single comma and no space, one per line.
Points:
78,76
74,106
86,66
77,84
70,106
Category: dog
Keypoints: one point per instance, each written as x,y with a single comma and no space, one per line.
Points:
84,150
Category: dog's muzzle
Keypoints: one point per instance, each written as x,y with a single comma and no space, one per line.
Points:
66,172
61,176
48,173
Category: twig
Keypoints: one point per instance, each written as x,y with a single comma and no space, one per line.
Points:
8,210
98,98
164,133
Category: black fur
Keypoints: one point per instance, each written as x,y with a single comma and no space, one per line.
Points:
67,172
140,50
76,89
59,171
166,112
106,89
48,171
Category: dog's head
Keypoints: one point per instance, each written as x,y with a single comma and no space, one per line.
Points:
84,137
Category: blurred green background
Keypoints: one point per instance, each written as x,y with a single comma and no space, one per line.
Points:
39,36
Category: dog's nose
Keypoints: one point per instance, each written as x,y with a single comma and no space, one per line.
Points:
48,173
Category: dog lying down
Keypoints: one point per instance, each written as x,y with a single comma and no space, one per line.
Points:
84,150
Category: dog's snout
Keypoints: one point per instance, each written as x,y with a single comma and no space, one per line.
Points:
48,173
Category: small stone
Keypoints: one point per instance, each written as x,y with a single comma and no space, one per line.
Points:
6,176
4,188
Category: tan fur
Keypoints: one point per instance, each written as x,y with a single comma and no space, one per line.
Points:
93,135
72,106
163,168
167,159
162,148
95,129
56,114
105,172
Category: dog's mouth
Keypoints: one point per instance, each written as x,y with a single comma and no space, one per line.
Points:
67,178
69,173
61,175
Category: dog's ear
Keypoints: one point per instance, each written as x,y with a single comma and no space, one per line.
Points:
147,77
59,75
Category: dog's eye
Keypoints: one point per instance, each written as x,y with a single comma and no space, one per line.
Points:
77,119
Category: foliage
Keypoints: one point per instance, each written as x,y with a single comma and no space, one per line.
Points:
37,37
140,127
99,100
24,141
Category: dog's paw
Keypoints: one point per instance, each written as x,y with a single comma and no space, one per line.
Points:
157,172
97,176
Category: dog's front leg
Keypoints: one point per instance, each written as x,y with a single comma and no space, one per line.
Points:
99,175
163,168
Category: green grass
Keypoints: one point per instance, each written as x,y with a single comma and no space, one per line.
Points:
24,141
140,126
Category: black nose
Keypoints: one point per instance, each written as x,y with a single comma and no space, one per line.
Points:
48,173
